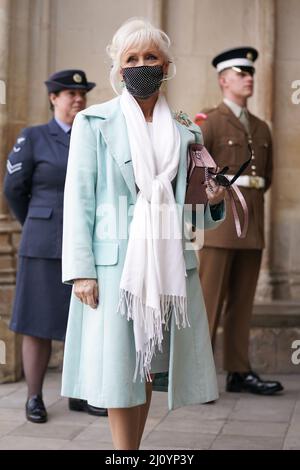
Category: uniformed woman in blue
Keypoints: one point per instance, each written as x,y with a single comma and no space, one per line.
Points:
128,166
34,188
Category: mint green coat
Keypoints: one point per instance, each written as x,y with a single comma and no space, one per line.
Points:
99,359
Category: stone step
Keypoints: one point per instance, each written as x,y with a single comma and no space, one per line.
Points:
274,328
277,314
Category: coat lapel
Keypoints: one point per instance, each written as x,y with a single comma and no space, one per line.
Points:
236,122
253,121
52,133
231,117
58,134
115,125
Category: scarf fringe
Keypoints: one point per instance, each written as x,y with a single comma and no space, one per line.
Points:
151,320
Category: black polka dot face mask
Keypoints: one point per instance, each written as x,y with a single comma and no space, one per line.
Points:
144,81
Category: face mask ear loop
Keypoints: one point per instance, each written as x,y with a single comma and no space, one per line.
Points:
121,83
172,76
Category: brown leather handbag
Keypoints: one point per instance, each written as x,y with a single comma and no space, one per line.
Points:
199,161
201,169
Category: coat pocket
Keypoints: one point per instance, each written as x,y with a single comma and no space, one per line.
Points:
36,212
106,254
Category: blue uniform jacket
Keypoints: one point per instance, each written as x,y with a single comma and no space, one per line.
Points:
34,188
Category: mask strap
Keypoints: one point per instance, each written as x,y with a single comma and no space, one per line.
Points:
172,76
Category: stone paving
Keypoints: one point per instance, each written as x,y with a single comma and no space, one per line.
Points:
236,421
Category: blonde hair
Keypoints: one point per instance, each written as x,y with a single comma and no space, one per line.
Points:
135,31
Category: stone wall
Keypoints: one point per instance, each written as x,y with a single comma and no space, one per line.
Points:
38,37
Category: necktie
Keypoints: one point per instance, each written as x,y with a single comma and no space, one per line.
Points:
244,119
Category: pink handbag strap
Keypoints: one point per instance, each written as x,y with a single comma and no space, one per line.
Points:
241,233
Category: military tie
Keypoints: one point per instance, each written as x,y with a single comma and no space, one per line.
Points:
244,119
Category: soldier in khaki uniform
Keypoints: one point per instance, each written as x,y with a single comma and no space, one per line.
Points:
229,266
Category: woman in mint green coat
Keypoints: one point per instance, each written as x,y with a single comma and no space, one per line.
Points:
137,307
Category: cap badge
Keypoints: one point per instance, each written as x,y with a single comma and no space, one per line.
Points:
77,78
249,55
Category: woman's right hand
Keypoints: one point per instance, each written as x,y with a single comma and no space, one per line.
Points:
87,291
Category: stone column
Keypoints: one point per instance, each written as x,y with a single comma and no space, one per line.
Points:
286,193
4,49
37,61
155,12
263,18
10,364
24,26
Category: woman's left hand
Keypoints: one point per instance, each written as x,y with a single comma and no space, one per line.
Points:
215,193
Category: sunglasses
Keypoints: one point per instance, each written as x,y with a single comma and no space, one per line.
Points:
220,177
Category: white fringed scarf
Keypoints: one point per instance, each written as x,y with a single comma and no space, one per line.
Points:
153,282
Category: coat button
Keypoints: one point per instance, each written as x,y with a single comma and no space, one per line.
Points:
253,167
250,141
230,142
253,173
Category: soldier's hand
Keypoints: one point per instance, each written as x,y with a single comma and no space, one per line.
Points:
215,192
87,291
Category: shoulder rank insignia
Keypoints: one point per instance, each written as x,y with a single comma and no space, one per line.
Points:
13,168
183,118
19,143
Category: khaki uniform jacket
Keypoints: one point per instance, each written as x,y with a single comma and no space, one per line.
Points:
227,141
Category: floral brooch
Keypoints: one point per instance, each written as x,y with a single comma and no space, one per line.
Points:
183,118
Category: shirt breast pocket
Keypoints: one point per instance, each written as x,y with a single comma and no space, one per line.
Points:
231,152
